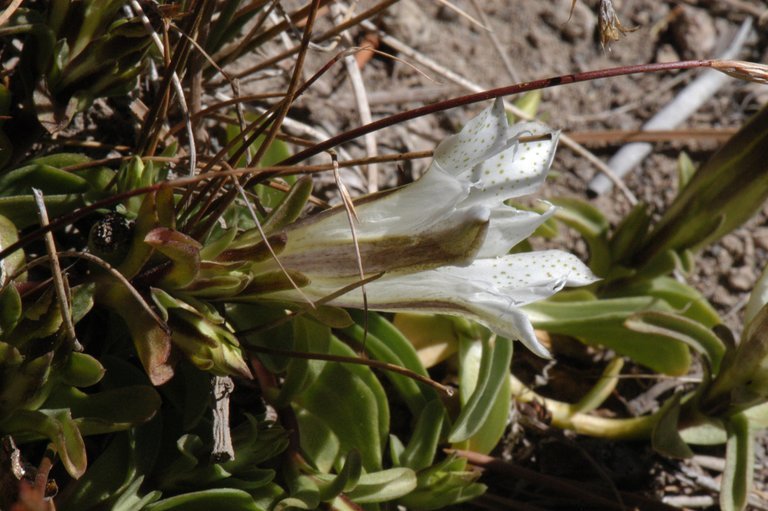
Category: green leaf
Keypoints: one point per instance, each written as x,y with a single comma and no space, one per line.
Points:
347,478
394,349
707,432
81,370
22,209
46,178
55,425
433,336
131,497
728,189
601,322
494,369
444,484
665,437
592,225
111,473
675,327
685,170
221,499
182,250
352,403
147,219
743,380
629,234
10,309
23,383
758,298
308,336
739,464
151,337
12,263
421,448
291,206
383,486
97,413
602,389
528,103
686,300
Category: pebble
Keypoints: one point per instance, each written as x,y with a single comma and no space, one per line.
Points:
734,245
741,279
694,33
409,23
724,259
760,235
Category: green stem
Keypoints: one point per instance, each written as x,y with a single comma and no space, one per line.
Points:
567,416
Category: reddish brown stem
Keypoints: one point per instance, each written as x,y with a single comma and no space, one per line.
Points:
491,94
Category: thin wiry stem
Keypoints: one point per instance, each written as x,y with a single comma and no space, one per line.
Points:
377,364
176,85
59,281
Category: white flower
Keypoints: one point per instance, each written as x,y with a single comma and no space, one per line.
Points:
443,241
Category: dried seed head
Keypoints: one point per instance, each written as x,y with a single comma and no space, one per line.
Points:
609,24
749,71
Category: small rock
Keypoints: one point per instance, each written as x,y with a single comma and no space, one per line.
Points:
724,259
695,33
409,23
760,235
741,279
575,25
721,296
447,14
667,53
734,245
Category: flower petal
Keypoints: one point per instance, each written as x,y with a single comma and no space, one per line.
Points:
482,137
508,227
454,241
488,290
516,171
399,212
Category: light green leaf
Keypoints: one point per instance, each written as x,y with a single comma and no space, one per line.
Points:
352,402
422,447
682,329
601,322
394,350
383,486
685,170
220,499
493,370
739,464
665,437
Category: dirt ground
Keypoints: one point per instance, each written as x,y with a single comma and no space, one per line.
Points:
541,39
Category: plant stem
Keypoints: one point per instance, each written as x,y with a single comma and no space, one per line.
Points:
566,416
492,94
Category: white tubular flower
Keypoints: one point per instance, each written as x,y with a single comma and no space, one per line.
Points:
443,241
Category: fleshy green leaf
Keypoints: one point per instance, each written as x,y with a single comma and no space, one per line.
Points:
602,322
421,448
682,329
739,464
221,499
665,437
383,486
493,370
351,401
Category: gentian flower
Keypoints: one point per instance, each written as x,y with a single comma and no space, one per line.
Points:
443,242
